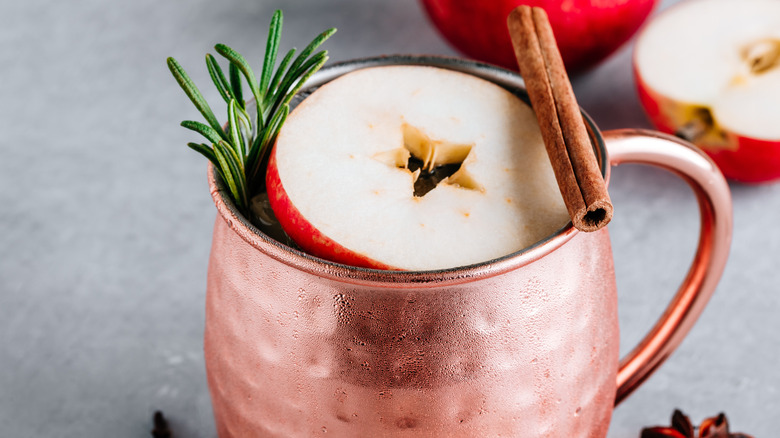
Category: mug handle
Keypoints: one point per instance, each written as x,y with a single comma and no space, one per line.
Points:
714,198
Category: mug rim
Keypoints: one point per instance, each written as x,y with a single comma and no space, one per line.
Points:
507,79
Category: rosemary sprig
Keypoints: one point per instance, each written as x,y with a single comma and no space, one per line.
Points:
238,149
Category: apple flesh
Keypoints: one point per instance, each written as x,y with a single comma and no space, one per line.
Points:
587,31
709,71
340,183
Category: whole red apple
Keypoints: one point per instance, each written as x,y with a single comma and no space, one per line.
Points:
716,85
587,31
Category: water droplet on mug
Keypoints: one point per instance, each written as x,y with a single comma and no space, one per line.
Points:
324,429
577,412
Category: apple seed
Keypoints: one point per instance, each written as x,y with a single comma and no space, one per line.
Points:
762,55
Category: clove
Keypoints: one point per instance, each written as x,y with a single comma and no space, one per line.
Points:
161,429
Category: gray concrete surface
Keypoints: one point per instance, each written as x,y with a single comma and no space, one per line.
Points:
105,221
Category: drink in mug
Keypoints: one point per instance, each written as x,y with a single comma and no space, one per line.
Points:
525,344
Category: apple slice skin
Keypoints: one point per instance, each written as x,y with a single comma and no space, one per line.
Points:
303,233
587,31
744,159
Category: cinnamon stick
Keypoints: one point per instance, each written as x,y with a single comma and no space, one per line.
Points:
563,128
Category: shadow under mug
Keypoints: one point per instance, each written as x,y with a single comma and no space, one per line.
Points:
525,345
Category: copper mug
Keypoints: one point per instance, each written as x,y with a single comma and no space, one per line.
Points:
525,345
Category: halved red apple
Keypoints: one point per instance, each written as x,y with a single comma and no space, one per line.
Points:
344,176
709,71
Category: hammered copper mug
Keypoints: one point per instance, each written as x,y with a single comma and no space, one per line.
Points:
525,345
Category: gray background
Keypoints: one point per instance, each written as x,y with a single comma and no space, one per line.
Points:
105,220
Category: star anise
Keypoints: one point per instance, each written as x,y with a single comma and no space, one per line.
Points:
681,427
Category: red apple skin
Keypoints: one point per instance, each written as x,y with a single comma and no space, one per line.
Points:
302,232
745,159
587,31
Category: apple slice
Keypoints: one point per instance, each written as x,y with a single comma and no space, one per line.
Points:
709,70
346,165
